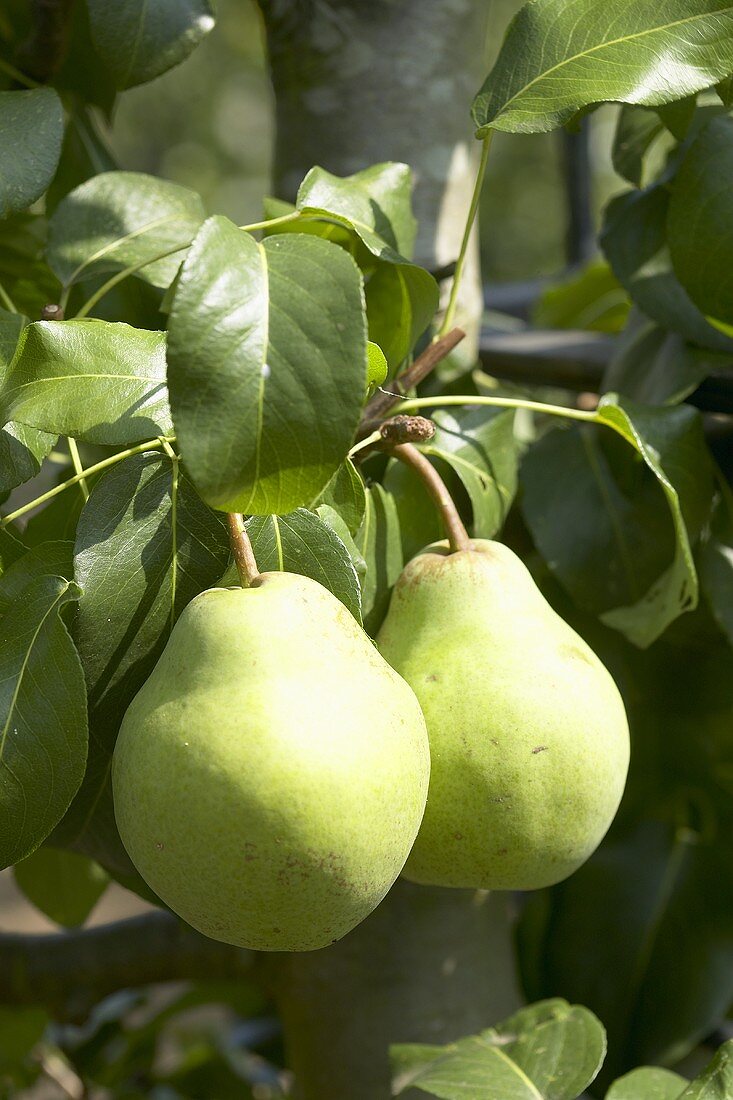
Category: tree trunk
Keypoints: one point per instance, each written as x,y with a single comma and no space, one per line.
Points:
362,81
358,82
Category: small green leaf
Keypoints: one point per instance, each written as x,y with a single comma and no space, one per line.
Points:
138,41
701,220
559,57
31,130
376,367
43,721
346,494
548,1051
378,541
266,366
375,203
64,886
120,220
302,543
647,1084
95,380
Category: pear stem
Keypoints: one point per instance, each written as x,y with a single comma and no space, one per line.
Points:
408,453
244,556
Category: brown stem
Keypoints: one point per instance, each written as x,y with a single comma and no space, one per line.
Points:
382,402
52,312
244,557
457,534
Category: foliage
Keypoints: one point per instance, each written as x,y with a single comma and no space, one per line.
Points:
200,367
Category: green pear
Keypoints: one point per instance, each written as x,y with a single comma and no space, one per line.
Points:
528,734
270,777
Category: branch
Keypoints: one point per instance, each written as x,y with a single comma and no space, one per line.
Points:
68,972
382,402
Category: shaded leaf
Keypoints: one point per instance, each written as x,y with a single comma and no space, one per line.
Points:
119,220
31,129
267,366
401,300
636,131
98,381
138,41
560,57
378,541
43,722
590,299
346,494
656,367
20,1030
52,559
701,220
84,153
63,885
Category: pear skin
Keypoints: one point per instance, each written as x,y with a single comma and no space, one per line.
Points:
528,734
270,777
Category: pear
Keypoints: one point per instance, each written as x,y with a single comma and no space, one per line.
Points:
528,734
270,776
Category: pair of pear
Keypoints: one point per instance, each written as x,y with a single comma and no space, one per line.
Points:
270,778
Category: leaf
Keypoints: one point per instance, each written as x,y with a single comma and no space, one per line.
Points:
647,1084
43,723
376,203
266,366
634,239
378,541
145,546
716,563
302,543
98,381
559,57
636,132
11,326
377,367
22,450
10,550
24,273
20,1030
715,1082
601,524
590,299
401,300
120,220
52,559
31,129
700,221
84,153
63,885
138,41
548,1051
656,367
346,494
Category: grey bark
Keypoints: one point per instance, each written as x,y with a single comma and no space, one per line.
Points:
362,81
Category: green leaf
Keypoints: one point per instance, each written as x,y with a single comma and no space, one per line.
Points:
20,1030
599,520
378,542
634,239
716,1082
98,381
346,494
266,366
376,203
63,885
52,559
700,222
302,543
138,41
43,722
401,300
548,1051
377,367
84,154
11,326
559,57
636,132
24,273
590,299
120,220
22,449
145,546
10,550
656,367
31,129
647,1084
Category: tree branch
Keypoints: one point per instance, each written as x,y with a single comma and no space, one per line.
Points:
69,972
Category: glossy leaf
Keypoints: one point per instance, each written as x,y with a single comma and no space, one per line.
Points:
120,220
302,543
701,220
266,366
560,57
548,1051
43,723
378,541
31,130
138,41
95,380
376,203
144,532
647,1084
63,885
634,240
